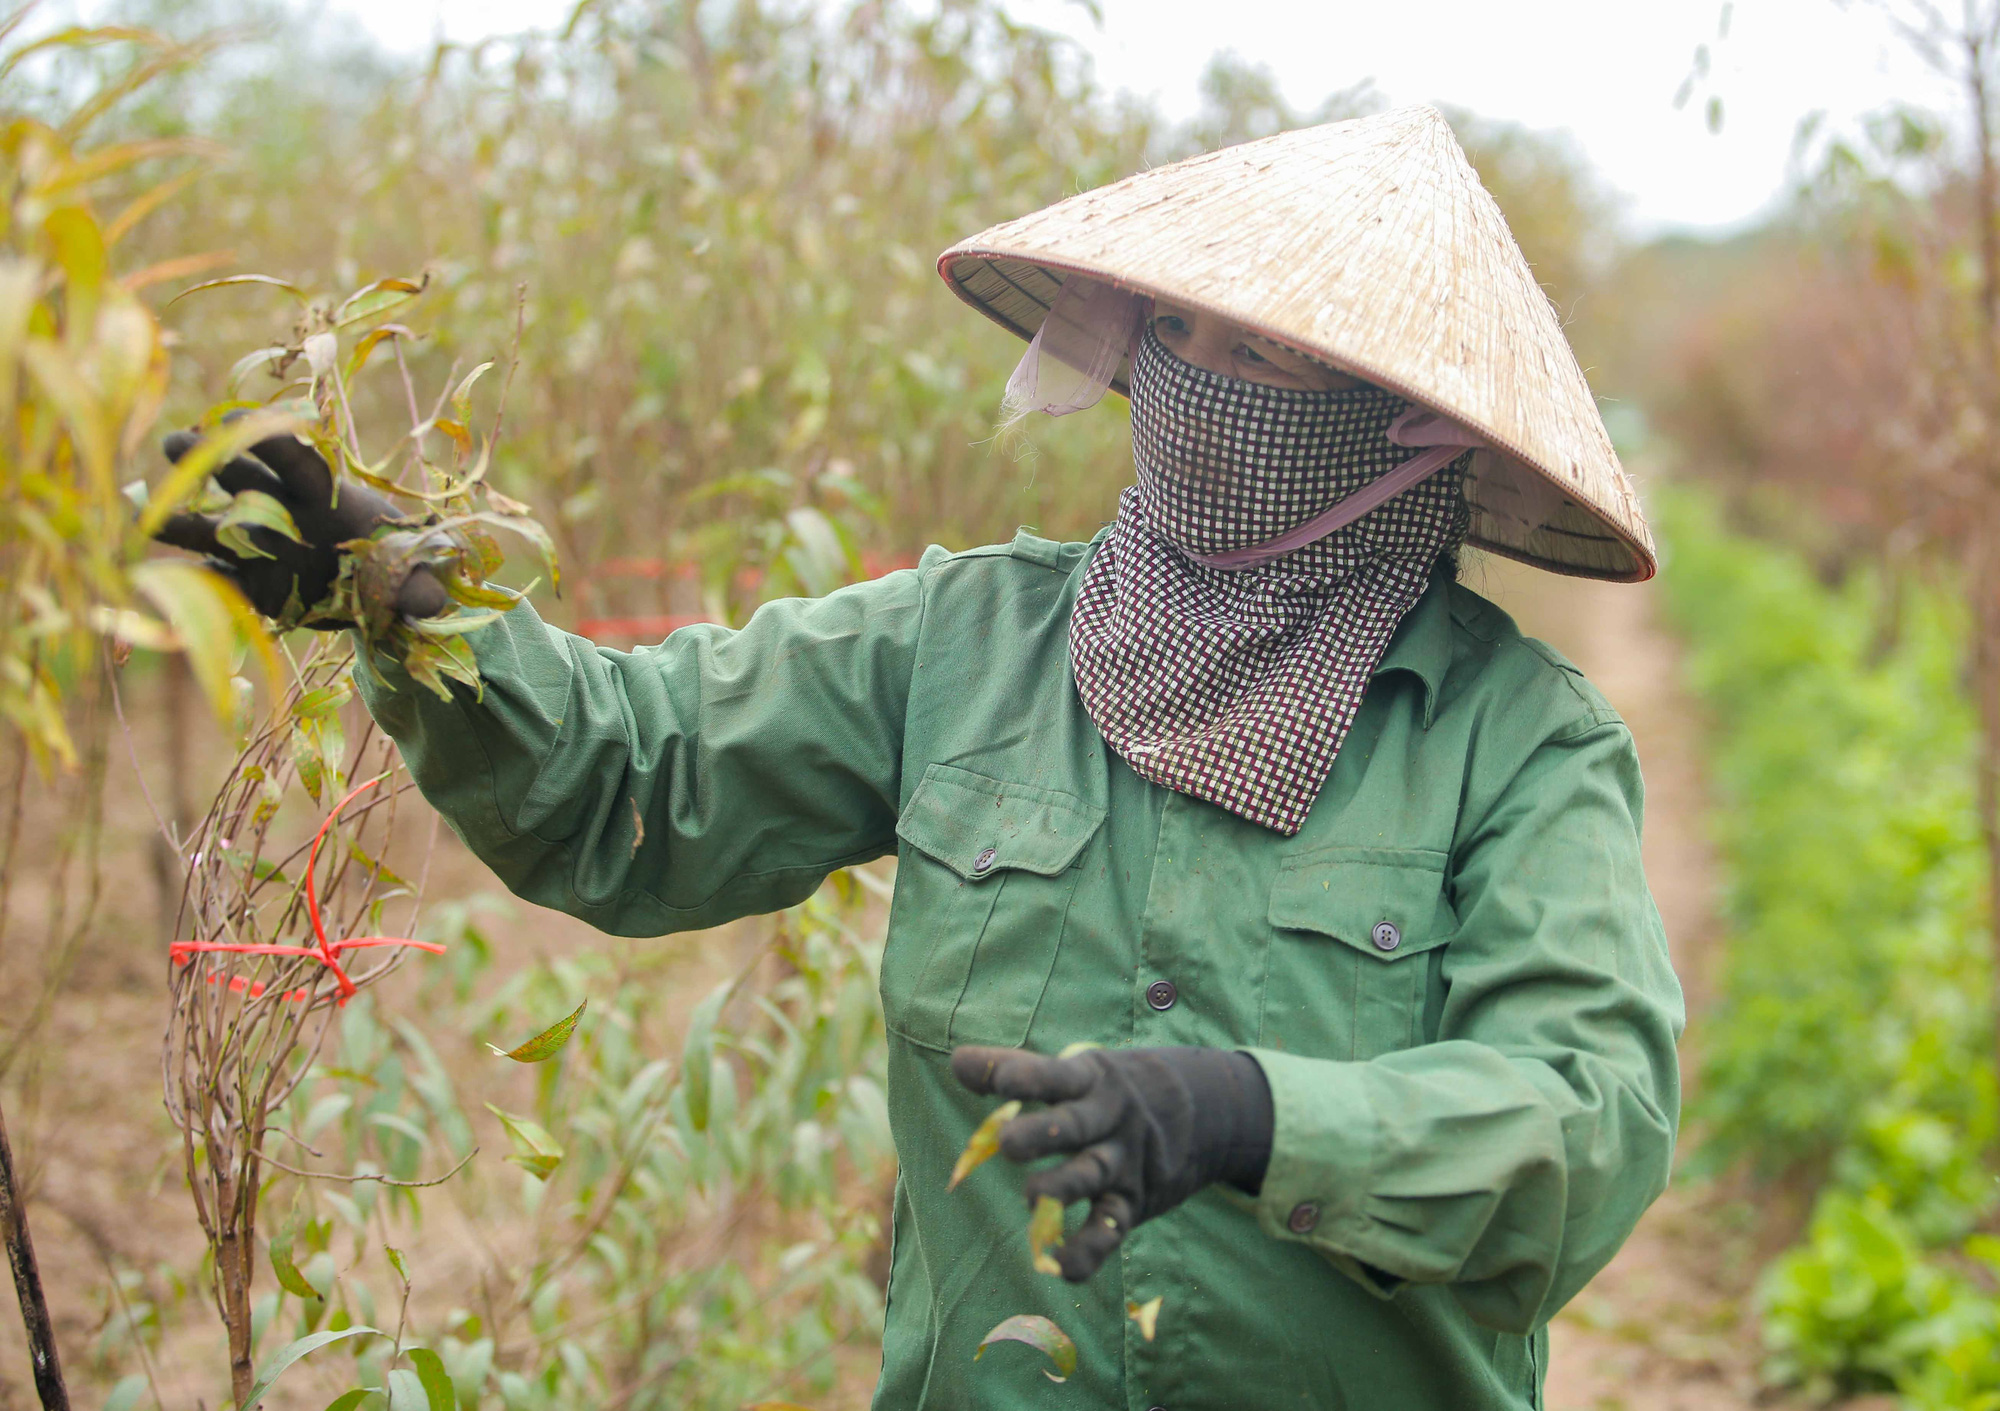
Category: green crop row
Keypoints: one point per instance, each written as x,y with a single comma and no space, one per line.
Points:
1848,1046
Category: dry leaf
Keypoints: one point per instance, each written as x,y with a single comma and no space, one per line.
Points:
985,1142
1146,1315
1037,1332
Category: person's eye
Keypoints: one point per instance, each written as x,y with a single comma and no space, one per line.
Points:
1250,354
1170,323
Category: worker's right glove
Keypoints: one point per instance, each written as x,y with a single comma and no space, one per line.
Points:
293,579
1144,1129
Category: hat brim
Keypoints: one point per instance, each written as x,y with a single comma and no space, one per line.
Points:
1016,291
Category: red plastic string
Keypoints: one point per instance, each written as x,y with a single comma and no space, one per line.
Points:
326,952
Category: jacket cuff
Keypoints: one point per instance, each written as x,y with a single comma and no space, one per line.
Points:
1325,1145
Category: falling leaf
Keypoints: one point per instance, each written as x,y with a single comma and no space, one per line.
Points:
535,1151
1045,1229
1037,1332
985,1142
638,825
1080,1046
1146,1315
548,1043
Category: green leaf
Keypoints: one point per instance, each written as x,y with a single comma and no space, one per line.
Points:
350,1400
292,1352
126,1394
437,1381
396,1262
289,1277
407,1392
250,362
984,1143
698,1054
324,701
286,285
377,299
216,448
211,620
527,528
1037,1332
548,1043
461,395
253,509
535,1150
1045,1228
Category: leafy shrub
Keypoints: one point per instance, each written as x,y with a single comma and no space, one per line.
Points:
1848,1045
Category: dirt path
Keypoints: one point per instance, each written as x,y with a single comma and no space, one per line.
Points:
1663,1328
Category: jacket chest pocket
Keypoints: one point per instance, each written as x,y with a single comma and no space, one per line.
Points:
983,886
1352,931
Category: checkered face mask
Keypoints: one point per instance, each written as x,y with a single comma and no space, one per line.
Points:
1238,686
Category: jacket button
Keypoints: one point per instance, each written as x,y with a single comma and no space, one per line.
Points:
1304,1216
985,860
1161,994
1387,937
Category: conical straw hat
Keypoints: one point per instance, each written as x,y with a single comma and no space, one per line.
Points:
1371,245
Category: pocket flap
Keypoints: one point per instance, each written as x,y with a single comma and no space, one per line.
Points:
980,827
1385,902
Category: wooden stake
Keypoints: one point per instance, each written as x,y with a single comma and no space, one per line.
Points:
28,1284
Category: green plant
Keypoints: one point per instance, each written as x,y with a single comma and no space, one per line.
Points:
1846,1047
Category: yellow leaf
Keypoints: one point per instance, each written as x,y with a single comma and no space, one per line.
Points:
211,621
985,1142
1045,1229
1146,1315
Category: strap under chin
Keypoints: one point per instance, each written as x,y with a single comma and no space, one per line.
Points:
1445,441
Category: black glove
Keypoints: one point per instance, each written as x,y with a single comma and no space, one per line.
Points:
298,576
1148,1128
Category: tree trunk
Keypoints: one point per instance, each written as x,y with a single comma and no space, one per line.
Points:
28,1285
235,1253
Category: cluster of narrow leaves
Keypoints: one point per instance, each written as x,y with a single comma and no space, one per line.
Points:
1045,1231
425,1384
83,374
436,468
599,1277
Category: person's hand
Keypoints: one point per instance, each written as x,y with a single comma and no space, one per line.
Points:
1144,1129
296,577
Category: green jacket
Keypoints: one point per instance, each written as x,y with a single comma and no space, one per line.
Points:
1475,1101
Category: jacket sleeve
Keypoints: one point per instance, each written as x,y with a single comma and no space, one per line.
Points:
1512,1157
718,774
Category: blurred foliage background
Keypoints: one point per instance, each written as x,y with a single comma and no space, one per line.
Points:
740,377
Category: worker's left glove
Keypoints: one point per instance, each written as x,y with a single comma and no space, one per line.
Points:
1144,1129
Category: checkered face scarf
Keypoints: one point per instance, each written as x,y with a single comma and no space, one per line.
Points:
1238,687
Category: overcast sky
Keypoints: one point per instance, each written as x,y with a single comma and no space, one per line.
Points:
1605,70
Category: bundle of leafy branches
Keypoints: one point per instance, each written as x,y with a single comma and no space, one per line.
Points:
269,932
444,531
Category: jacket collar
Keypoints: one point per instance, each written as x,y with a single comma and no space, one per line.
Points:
1422,644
